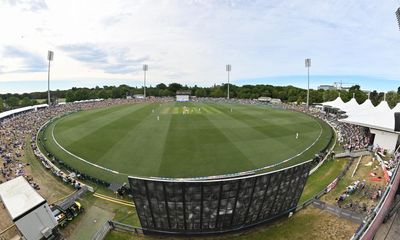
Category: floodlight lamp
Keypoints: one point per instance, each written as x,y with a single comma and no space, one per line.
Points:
308,62
50,55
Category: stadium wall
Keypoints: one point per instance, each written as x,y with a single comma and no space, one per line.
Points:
385,140
198,207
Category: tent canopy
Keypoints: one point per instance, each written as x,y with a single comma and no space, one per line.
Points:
366,114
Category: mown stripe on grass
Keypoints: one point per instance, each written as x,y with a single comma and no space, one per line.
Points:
89,122
133,148
94,144
255,144
275,137
193,142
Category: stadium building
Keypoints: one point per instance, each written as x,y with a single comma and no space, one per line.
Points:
209,206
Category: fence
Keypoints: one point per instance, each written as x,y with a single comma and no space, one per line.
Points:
353,154
111,225
126,228
323,192
344,213
102,232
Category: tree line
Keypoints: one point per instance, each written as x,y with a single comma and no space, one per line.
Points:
285,93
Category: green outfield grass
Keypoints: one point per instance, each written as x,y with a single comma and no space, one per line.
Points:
211,139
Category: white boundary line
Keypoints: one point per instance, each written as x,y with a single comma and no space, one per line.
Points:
330,150
83,160
288,159
253,171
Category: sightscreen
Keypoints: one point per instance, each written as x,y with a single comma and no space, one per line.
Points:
192,207
182,98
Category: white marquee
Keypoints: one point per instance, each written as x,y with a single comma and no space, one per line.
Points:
380,119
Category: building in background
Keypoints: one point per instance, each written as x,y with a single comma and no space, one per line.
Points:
326,87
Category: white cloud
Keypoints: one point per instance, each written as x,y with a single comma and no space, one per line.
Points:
191,41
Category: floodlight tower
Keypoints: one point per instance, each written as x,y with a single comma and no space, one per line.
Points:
145,68
308,65
50,56
228,70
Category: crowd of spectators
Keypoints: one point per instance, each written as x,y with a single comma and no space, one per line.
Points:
391,164
352,137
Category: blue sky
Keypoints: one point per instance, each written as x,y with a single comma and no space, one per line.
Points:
190,41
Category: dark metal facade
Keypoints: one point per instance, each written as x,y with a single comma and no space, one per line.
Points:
192,207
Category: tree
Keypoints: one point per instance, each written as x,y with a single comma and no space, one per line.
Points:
330,95
173,87
285,93
166,93
124,89
161,86
1,105
376,97
12,101
392,98
103,94
26,102
200,92
70,96
300,100
354,88
82,94
116,93
217,92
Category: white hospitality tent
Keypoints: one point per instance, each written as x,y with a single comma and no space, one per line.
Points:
396,108
351,106
337,103
379,119
366,105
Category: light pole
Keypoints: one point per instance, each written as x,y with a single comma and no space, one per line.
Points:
145,68
228,69
50,56
308,65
